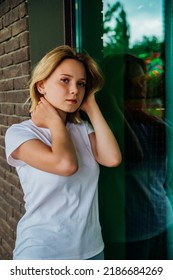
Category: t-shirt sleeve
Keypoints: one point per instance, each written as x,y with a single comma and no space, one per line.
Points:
89,127
14,137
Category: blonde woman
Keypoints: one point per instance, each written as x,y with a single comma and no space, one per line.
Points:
57,157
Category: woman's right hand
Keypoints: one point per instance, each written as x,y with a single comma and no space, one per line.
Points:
44,114
60,158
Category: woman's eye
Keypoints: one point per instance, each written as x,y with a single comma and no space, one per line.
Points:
82,84
65,81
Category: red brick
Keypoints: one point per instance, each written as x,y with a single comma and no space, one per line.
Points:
17,215
13,201
4,164
6,60
19,96
6,207
7,229
12,45
14,119
3,214
14,73
21,55
14,3
11,71
24,39
2,49
6,245
5,7
11,17
4,254
23,10
19,26
2,173
7,108
3,120
12,223
6,85
21,109
5,34
26,68
2,150
2,129
2,96
13,179
18,194
21,82
1,22
5,188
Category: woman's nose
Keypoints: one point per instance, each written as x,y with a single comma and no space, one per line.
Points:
74,89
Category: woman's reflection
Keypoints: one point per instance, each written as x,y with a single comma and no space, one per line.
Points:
145,173
148,212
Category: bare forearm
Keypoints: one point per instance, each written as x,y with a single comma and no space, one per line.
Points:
106,146
62,146
61,157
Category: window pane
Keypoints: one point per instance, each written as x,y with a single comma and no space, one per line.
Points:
134,65
135,204
136,27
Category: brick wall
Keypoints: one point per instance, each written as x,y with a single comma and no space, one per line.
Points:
14,76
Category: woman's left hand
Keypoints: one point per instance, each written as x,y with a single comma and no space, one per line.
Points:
88,103
103,142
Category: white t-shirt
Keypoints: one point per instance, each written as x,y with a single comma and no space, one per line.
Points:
61,219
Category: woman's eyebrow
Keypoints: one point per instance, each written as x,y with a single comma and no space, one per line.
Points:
68,75
63,74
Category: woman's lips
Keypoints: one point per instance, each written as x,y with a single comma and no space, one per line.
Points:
73,101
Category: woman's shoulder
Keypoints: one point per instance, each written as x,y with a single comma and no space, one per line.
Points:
16,127
26,129
27,125
19,133
24,124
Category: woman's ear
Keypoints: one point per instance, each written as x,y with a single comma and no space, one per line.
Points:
40,87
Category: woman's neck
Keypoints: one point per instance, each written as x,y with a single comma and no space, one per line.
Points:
63,115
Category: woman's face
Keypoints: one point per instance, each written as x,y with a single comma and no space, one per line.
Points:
64,89
139,82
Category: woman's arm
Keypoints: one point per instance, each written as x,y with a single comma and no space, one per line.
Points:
104,145
61,157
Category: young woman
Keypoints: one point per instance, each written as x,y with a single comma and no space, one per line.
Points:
57,157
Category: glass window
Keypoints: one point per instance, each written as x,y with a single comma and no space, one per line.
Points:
134,52
137,27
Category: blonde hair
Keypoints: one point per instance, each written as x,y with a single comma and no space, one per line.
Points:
51,61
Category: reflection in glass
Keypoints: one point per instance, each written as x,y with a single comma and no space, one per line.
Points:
136,27
134,67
